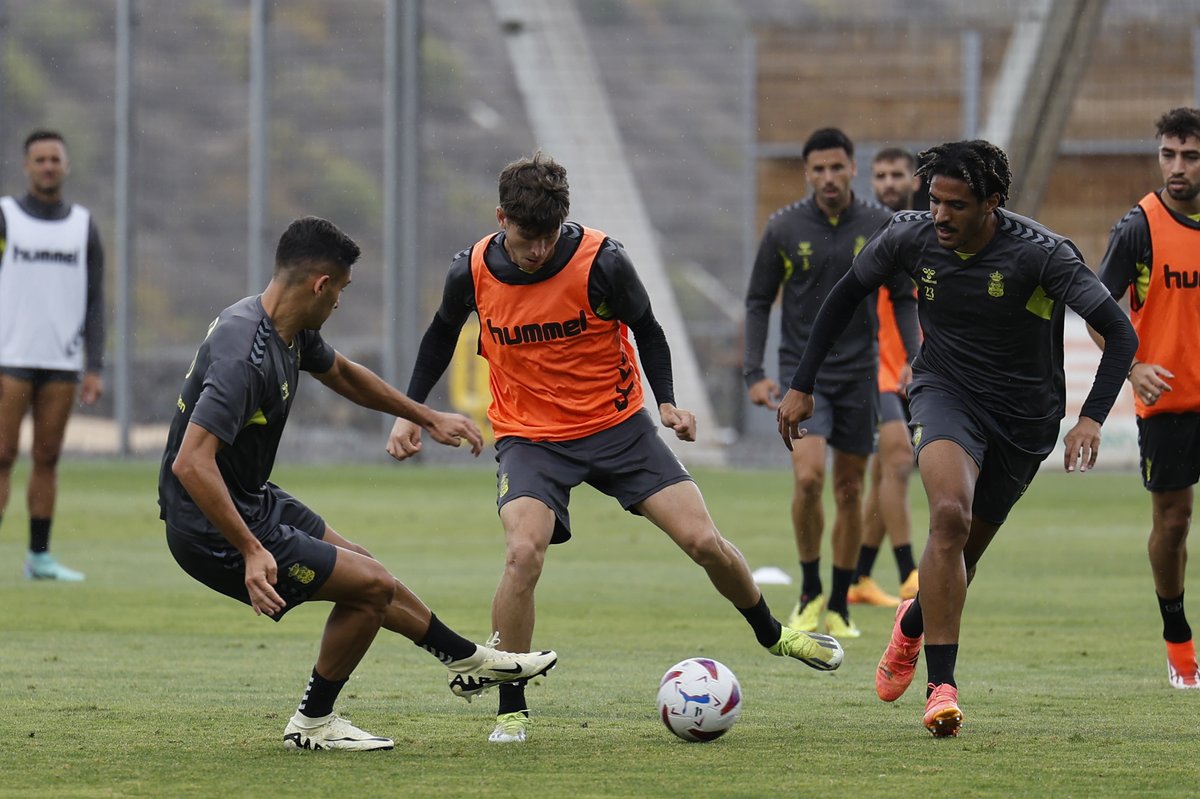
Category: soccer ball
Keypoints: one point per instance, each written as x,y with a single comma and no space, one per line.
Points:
699,699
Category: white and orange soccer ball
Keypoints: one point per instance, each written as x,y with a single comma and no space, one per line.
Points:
699,699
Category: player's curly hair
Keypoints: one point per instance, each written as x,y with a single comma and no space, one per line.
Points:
1179,123
534,194
980,164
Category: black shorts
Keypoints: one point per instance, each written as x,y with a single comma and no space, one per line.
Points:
846,415
40,376
892,407
292,534
1007,462
1169,444
628,462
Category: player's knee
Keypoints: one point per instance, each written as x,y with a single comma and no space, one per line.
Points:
707,549
809,485
949,518
525,558
377,588
8,457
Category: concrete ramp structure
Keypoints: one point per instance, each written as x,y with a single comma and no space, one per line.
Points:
572,119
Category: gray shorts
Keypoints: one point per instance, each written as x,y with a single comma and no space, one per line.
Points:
1007,460
292,534
846,415
892,407
1169,444
628,462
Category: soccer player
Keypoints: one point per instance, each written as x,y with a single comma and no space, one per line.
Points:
806,248
988,388
237,533
886,508
1152,255
51,332
555,300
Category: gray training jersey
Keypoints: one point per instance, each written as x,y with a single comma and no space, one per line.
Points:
240,388
804,254
993,321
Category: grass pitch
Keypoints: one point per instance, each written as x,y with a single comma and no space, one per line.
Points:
140,682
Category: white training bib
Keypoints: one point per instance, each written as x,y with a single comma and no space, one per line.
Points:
43,289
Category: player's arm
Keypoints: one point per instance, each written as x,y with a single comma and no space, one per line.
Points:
903,296
363,387
196,469
616,291
766,278
93,322
435,351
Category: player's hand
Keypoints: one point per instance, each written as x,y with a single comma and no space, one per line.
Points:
260,582
1082,445
451,428
681,421
765,392
92,388
405,439
1149,381
795,408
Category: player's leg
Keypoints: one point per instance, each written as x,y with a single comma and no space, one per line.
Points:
16,395
808,525
1167,547
680,512
878,508
51,407
896,461
849,470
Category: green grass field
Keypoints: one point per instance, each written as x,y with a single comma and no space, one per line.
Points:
140,682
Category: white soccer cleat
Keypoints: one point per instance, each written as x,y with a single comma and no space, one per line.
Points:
43,566
330,732
489,667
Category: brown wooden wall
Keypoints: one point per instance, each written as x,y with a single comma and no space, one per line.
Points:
887,85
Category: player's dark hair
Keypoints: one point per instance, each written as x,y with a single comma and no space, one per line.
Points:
828,139
42,134
310,244
895,154
1179,123
980,164
534,194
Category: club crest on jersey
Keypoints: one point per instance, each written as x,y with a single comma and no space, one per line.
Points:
284,391
995,285
859,243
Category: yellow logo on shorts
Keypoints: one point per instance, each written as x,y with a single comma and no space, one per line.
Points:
301,573
503,484
1146,470
917,431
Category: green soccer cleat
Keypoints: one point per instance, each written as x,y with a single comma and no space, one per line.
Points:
806,616
510,728
821,652
840,626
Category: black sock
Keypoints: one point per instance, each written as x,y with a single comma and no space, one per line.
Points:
866,561
904,561
912,623
940,660
319,696
1175,626
39,535
766,627
512,698
810,581
842,579
443,643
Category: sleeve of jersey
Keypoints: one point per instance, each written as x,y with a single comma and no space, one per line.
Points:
1128,245
765,279
833,317
1068,278
232,393
441,337
93,323
317,355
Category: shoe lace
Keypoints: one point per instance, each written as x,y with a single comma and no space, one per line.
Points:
494,641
